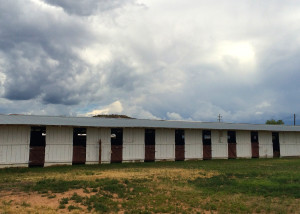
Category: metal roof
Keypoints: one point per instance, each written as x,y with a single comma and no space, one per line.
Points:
134,123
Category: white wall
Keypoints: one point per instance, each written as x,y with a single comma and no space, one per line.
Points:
133,144
14,145
289,144
219,144
15,140
92,145
193,144
265,144
243,144
164,144
59,145
105,134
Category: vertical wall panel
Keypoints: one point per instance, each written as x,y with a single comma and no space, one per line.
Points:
219,144
193,144
265,144
105,145
243,144
164,144
297,136
289,144
14,145
92,145
133,144
59,145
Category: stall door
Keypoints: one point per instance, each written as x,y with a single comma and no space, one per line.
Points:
79,146
231,144
179,145
149,145
206,139
37,146
276,146
116,145
254,145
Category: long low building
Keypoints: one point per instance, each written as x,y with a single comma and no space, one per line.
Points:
27,140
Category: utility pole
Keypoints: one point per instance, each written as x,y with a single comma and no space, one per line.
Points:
294,119
219,118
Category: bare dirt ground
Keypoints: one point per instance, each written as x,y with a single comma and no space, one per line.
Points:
22,202
218,186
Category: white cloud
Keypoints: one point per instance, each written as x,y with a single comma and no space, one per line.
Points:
173,116
138,112
113,108
264,104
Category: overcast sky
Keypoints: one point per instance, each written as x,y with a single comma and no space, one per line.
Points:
171,59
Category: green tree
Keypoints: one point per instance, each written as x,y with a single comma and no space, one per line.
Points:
274,122
113,116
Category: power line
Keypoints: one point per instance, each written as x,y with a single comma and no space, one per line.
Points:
219,118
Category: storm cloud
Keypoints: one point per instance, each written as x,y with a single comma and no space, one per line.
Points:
151,59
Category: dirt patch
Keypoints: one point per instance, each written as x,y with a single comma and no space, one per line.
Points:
16,201
20,202
151,173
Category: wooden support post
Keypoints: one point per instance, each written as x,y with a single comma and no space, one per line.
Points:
99,161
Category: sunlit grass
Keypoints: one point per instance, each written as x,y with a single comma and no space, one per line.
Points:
224,186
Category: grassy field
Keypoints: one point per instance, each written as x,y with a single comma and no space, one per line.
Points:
216,186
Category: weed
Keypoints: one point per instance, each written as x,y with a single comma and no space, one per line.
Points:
100,204
243,183
64,201
7,203
100,207
77,198
56,186
72,207
61,206
85,190
52,196
89,173
24,204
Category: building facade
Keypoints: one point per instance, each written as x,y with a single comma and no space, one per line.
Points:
44,141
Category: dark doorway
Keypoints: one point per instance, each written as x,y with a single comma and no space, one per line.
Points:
79,146
254,145
179,145
206,139
276,146
231,135
116,145
37,146
149,145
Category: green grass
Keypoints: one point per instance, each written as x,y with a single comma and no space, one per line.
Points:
224,186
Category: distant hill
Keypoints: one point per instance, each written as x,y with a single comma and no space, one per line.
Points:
113,116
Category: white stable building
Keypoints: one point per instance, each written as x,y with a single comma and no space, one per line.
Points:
27,140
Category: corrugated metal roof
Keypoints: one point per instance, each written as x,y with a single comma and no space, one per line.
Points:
134,123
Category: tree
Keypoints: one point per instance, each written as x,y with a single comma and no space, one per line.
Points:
113,116
274,122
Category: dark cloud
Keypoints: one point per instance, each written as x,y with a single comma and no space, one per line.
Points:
171,60
87,7
123,77
60,96
38,52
